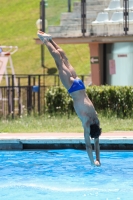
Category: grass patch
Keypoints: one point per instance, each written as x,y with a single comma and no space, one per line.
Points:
46,123
18,28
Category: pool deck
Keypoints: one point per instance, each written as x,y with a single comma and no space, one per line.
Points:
116,140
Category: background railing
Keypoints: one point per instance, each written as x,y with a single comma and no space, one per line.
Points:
25,94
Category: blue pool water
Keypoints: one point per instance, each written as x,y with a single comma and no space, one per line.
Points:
65,175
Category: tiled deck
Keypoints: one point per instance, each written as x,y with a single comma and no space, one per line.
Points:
119,140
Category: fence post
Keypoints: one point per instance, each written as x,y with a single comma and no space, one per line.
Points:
83,16
19,97
13,96
9,96
29,95
39,95
34,82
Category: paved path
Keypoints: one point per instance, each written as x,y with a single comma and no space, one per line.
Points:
111,135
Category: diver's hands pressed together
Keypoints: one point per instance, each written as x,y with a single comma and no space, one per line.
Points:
97,163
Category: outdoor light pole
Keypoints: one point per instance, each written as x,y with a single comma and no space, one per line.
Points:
42,17
41,26
69,5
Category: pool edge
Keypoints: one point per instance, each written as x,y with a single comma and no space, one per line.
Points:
106,143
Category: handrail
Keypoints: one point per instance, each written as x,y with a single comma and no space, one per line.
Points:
10,49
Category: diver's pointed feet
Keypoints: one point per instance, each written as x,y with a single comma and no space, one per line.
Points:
44,37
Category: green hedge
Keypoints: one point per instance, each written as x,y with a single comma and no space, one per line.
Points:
58,101
115,99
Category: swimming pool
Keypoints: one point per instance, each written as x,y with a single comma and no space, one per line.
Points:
65,175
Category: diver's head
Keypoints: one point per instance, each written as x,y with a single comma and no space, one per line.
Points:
95,131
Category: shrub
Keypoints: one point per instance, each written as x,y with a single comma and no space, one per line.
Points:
58,101
115,99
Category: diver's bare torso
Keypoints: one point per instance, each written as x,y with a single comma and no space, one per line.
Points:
84,107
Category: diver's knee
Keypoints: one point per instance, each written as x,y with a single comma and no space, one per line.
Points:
61,52
56,54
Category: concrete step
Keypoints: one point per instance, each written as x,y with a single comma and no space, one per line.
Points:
96,4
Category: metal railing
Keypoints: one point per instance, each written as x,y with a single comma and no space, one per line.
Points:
29,94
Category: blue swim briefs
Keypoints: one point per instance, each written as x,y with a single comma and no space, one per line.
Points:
77,85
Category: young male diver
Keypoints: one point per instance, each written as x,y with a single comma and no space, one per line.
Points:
82,104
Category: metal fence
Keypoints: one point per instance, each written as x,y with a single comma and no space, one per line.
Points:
25,94
16,101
